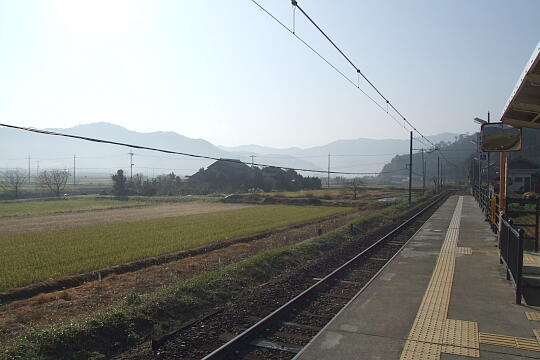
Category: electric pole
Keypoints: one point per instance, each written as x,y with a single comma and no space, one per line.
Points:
74,170
438,175
423,173
479,164
443,175
488,160
131,166
37,170
410,172
29,169
252,157
328,180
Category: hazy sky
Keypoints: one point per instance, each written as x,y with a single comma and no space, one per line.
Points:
225,72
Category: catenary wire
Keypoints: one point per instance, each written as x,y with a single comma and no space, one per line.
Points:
295,4
134,146
293,33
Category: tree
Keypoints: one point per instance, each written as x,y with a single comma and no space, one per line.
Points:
12,180
354,186
55,180
136,184
119,183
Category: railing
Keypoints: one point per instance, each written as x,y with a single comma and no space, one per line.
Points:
511,253
530,237
490,207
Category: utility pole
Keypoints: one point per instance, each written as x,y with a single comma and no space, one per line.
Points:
423,173
410,172
479,165
328,180
37,170
73,170
29,169
443,170
252,161
488,160
438,175
131,166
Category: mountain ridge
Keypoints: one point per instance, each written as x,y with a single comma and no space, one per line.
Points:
52,151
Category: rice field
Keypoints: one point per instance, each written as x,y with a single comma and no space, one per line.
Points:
41,207
37,256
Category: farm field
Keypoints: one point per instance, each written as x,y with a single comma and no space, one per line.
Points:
32,257
38,207
28,207
17,224
363,192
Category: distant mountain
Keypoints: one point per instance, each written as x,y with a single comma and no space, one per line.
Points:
48,151
356,155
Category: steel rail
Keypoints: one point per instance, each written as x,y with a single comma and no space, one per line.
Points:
249,334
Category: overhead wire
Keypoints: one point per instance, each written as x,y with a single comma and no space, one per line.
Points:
359,72
295,3
134,146
293,33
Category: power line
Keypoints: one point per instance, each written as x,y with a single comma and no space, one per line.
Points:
295,3
359,72
292,32
102,141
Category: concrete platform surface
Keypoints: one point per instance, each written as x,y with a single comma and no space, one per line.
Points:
444,296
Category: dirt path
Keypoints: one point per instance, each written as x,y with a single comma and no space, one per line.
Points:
97,296
15,225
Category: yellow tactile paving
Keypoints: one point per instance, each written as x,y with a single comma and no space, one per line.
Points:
432,332
510,341
497,339
459,350
417,350
461,333
527,344
537,335
529,259
533,315
464,250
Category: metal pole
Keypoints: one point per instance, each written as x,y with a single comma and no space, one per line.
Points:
437,188
488,162
410,172
443,174
537,210
479,164
73,169
131,166
502,179
423,173
29,169
328,178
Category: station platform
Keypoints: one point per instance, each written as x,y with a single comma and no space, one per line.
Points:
444,296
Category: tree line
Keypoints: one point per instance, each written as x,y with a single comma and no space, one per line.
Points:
54,181
223,176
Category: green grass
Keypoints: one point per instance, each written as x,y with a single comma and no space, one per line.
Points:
42,207
37,256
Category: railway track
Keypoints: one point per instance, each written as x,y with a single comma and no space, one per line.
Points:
284,331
